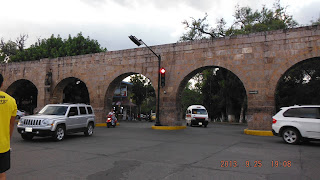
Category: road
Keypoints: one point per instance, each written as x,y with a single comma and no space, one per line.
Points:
134,151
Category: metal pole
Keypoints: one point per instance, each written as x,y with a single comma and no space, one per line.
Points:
138,43
158,103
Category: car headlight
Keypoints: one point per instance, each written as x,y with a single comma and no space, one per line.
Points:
46,122
21,121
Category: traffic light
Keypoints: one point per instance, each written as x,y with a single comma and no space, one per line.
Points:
162,77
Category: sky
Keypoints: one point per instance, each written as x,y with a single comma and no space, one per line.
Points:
110,22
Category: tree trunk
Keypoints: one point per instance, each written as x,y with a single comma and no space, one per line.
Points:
242,112
230,110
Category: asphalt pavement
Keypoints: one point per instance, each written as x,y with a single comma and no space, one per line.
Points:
134,151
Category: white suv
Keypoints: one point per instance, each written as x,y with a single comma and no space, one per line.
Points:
56,120
297,123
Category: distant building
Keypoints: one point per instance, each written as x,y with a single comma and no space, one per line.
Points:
121,102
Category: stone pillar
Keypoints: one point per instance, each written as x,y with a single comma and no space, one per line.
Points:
168,108
260,110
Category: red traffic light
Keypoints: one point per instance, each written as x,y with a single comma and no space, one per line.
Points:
162,71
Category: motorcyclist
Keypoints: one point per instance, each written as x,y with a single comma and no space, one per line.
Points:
113,116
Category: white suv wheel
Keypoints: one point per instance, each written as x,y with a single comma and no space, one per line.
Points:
291,136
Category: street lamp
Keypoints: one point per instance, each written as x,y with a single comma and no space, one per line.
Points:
139,42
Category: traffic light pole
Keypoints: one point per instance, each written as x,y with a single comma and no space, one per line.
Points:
138,43
158,104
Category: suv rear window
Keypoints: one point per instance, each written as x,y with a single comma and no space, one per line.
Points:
306,112
89,110
73,111
83,110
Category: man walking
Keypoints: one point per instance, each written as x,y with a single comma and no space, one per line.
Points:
8,111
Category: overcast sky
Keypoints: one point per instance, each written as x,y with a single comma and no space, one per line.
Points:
112,21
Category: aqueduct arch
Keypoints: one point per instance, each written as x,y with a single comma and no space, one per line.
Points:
258,59
112,86
79,95
185,80
25,93
290,75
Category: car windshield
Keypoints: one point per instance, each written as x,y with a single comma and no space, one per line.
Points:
54,110
199,111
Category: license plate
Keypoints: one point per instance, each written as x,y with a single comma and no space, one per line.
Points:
200,123
28,129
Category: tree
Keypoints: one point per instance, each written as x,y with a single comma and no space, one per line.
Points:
52,47
223,94
7,49
317,22
143,93
300,85
20,41
199,29
246,21
190,96
149,102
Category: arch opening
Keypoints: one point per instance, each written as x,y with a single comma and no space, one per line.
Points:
218,89
132,96
25,93
299,85
71,90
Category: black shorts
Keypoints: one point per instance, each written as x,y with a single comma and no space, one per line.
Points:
4,161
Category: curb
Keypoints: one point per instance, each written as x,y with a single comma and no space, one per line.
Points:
168,127
104,124
258,132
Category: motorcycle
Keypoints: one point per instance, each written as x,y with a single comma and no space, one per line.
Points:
109,121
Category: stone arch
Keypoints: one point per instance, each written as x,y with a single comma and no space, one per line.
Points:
112,87
288,63
25,93
191,74
79,94
278,84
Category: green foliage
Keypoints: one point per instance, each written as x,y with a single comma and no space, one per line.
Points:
246,21
300,85
317,22
219,90
7,49
223,93
143,93
190,96
57,47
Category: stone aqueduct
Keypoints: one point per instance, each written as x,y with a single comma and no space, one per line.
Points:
259,60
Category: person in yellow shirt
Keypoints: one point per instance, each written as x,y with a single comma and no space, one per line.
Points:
8,111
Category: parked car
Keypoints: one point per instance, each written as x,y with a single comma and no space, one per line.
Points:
20,113
56,120
297,123
197,115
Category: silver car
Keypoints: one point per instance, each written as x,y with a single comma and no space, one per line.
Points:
56,120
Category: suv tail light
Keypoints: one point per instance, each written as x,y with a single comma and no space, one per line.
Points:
274,121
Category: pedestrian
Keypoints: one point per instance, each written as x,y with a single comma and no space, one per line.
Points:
8,111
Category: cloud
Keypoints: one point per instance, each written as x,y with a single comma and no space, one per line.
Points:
201,5
307,13
94,3
112,21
